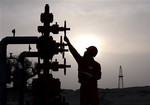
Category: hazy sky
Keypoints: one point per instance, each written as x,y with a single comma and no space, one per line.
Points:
119,28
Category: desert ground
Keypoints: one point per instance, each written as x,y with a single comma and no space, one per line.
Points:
125,96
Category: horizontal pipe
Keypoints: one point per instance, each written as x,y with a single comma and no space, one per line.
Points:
14,40
19,40
27,54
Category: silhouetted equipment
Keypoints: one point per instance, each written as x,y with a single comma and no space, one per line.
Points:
13,31
46,89
10,55
120,77
29,47
47,48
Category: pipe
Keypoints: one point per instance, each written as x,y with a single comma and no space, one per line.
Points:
19,40
27,54
3,50
14,40
21,59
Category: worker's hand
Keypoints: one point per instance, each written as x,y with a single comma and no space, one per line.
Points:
66,39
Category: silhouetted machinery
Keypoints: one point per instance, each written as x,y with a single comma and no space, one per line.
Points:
46,89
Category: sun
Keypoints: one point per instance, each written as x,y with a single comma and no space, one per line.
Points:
81,42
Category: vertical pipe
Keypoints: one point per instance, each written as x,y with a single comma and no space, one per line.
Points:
4,76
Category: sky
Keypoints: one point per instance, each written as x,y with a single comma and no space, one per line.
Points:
118,28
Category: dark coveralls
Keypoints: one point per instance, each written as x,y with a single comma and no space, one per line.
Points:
88,89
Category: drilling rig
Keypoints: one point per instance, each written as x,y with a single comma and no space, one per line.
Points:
46,90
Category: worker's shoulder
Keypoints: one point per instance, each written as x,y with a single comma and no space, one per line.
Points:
96,63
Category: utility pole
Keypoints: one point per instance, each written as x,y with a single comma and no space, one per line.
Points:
120,78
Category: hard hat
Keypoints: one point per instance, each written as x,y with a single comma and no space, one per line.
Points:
93,50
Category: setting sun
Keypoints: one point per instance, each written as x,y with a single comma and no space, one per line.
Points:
81,42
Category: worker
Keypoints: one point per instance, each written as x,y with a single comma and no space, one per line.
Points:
89,71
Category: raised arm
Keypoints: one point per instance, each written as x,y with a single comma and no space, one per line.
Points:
73,51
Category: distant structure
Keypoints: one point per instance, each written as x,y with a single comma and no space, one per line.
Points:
120,78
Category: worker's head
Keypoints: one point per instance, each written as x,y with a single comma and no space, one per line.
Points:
91,51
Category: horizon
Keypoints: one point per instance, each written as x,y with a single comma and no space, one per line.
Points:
120,30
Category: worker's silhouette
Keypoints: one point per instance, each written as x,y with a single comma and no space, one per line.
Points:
89,71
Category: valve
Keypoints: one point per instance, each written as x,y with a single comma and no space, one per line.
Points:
46,16
66,66
62,47
47,47
54,65
65,28
55,28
